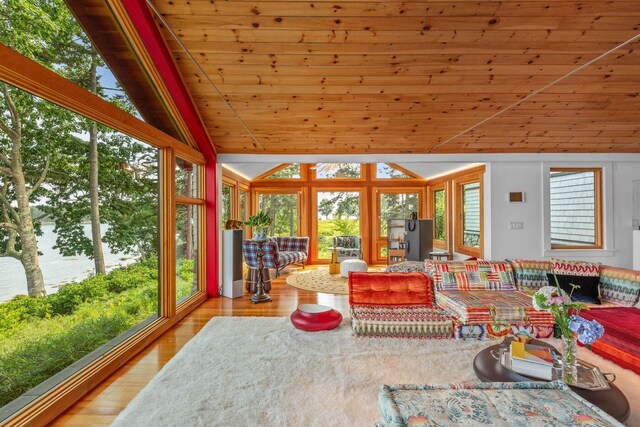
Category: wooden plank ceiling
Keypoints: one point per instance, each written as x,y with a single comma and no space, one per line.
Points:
357,76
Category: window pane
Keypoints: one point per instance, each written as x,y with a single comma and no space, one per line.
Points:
440,214
226,204
471,215
59,43
290,172
396,205
383,170
186,178
338,215
244,205
86,240
186,251
283,210
573,208
337,170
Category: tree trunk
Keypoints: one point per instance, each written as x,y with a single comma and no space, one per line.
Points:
96,233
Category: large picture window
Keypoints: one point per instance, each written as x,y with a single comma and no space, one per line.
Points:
575,208
439,213
469,214
79,233
283,209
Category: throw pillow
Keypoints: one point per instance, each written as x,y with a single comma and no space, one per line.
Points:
584,275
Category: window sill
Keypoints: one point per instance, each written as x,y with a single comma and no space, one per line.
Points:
576,252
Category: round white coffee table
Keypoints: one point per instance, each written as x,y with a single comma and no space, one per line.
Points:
352,265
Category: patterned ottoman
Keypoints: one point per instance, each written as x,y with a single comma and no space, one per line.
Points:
491,314
488,404
400,321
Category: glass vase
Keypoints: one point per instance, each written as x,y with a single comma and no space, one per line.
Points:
570,360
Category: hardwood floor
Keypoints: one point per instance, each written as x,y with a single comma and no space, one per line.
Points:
103,404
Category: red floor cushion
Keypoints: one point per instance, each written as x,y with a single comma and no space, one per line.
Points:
621,340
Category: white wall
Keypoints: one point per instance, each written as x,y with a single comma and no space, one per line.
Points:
529,242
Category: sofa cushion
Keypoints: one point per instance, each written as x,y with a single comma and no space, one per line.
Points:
400,321
286,258
406,267
530,275
585,275
492,307
377,288
471,275
482,331
620,286
621,340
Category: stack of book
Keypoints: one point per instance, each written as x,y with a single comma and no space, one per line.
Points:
532,360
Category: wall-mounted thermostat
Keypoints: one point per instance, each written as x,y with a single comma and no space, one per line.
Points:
516,197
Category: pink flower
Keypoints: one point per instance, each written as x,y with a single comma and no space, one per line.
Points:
556,299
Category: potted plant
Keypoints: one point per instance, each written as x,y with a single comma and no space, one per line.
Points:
259,224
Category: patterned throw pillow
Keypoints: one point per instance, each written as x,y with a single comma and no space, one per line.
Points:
584,275
531,275
472,275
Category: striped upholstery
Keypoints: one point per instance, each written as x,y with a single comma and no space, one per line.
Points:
531,275
492,307
400,322
471,275
620,286
483,331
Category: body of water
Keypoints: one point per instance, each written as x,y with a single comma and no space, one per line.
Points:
57,269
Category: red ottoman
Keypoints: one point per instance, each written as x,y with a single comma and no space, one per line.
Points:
314,318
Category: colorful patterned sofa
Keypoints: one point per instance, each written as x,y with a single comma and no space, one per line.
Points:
483,300
395,305
279,252
619,312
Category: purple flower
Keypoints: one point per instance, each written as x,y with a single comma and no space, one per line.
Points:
588,331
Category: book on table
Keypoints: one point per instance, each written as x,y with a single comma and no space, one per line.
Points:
532,360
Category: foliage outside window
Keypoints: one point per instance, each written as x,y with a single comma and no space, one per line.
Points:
337,170
471,214
79,237
384,171
292,171
226,204
338,215
186,178
574,200
440,215
396,205
283,211
187,244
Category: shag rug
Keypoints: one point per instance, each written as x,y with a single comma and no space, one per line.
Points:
319,280
263,372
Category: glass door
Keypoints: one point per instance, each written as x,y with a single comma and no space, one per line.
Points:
337,214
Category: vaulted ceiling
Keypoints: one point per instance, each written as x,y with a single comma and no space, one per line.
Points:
323,76
417,76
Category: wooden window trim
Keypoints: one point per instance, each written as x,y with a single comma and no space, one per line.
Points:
459,216
598,200
440,244
377,192
25,74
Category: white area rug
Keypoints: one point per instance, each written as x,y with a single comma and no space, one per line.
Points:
263,372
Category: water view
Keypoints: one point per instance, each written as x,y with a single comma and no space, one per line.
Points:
57,269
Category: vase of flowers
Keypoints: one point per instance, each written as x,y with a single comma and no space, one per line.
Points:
259,224
571,326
